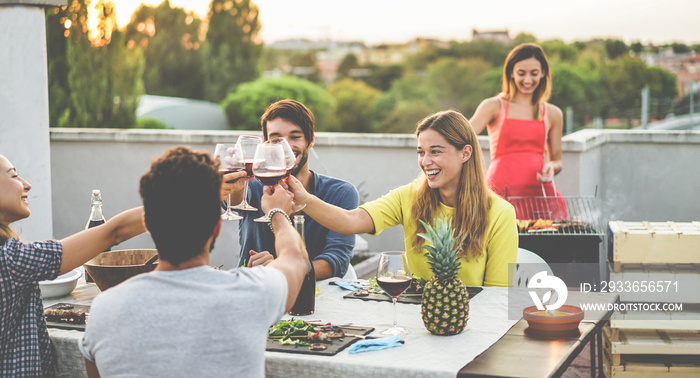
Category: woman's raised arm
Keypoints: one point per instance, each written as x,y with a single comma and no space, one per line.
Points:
342,221
81,247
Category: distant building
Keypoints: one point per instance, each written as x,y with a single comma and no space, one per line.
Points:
493,35
686,67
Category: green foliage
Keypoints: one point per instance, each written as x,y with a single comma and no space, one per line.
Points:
353,107
615,48
622,81
381,77
458,83
230,53
525,38
150,123
96,83
662,90
248,102
558,50
348,63
170,40
305,66
407,102
637,47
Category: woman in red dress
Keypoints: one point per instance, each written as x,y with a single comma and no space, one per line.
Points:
525,135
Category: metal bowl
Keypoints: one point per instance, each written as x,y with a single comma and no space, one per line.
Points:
61,286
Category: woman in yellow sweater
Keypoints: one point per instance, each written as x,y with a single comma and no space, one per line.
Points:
450,185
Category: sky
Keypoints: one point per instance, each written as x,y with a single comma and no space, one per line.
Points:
396,21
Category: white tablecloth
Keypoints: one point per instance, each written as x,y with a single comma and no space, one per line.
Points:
423,354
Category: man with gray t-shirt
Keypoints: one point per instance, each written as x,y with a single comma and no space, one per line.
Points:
186,319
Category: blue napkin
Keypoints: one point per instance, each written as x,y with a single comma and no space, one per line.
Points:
369,345
348,285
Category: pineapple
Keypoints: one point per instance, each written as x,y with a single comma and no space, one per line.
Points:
445,302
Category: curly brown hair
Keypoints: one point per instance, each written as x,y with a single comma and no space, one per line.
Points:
181,199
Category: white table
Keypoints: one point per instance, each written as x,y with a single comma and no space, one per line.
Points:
422,355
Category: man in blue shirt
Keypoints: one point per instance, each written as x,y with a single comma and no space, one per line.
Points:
329,251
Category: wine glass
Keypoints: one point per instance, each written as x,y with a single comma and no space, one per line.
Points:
227,155
394,277
269,166
248,144
290,160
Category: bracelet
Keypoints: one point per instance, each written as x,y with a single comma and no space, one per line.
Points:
275,211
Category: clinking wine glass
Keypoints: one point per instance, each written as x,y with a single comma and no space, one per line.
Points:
290,160
269,166
226,154
394,277
248,144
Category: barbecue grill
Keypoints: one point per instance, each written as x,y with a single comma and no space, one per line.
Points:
564,231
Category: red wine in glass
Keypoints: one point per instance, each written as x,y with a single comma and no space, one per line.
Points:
269,178
249,167
394,285
287,174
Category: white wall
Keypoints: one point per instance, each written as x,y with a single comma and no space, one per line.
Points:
24,108
640,175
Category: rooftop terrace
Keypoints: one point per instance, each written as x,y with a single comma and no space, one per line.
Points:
632,175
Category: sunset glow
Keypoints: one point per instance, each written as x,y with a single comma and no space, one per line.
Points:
380,21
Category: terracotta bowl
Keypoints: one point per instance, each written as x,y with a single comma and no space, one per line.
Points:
565,318
112,268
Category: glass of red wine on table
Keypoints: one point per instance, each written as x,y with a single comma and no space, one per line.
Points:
227,155
247,144
394,277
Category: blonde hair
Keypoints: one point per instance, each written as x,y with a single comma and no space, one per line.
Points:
473,199
544,88
6,233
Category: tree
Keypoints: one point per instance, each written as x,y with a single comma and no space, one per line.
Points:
458,83
348,63
622,81
525,38
170,40
248,101
408,101
305,66
103,78
231,50
637,47
62,23
558,50
569,86
352,110
662,90
381,77
615,48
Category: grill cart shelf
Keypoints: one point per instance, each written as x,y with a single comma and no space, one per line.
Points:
564,231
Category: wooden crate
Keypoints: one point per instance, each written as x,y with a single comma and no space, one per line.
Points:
687,277
653,243
649,353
